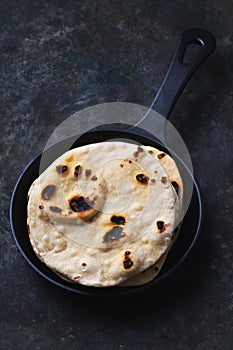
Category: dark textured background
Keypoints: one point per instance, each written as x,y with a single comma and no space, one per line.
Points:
58,57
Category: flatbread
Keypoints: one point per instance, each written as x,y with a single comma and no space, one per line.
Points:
170,166
102,213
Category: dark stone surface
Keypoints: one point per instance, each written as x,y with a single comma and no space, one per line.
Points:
58,57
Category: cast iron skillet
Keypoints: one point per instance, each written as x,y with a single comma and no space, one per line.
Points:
175,80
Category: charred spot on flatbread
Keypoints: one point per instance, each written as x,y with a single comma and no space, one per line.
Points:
153,180
127,263
136,153
55,209
81,204
161,155
164,180
151,152
118,219
161,226
176,186
78,171
143,179
88,172
84,264
61,169
48,192
94,178
113,235
41,206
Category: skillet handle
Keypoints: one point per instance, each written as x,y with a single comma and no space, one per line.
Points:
179,72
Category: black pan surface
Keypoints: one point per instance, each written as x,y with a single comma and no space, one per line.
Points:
177,76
